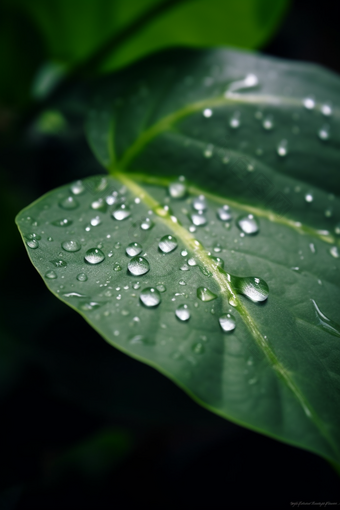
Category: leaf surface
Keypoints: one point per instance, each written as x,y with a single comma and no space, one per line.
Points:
251,138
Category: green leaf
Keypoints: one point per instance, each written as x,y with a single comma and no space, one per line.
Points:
74,30
262,137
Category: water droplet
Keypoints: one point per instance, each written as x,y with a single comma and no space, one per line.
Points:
117,267
324,133
282,148
177,190
325,323
256,289
268,123
113,199
77,188
99,205
224,213
207,113
71,246
198,348
51,275
92,305
138,266
235,121
199,203
183,313
185,267
328,213
337,229
309,103
59,263
122,212
73,294
227,322
309,197
146,224
63,222
94,256
167,244
33,244
312,247
326,110
182,282
31,237
232,301
184,253
205,294
82,277
96,221
248,224
219,262
217,248
192,262
68,203
140,339
150,297
198,219
133,249
161,287
334,252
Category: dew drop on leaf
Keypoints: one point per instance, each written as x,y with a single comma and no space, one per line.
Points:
326,110
168,244
324,132
282,148
94,256
133,249
184,253
63,222
99,205
77,188
325,323
248,224
161,287
334,252
309,197
51,275
309,103
122,212
33,244
59,263
224,213
82,277
177,190
227,322
235,121
256,289
146,224
199,203
150,297
207,113
138,266
198,219
267,123
31,237
182,312
205,294
71,246
218,261
192,262
68,203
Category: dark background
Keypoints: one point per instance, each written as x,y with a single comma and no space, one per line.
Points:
84,426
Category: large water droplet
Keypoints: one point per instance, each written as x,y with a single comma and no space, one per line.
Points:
334,251
150,297
207,113
68,203
325,323
227,322
94,256
205,294
146,224
82,277
133,249
177,190
138,266
63,222
256,289
71,245
51,275
198,219
248,224
122,212
224,213
77,188
282,148
168,244
183,313
324,132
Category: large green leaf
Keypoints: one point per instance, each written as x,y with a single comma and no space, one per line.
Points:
253,133
73,30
